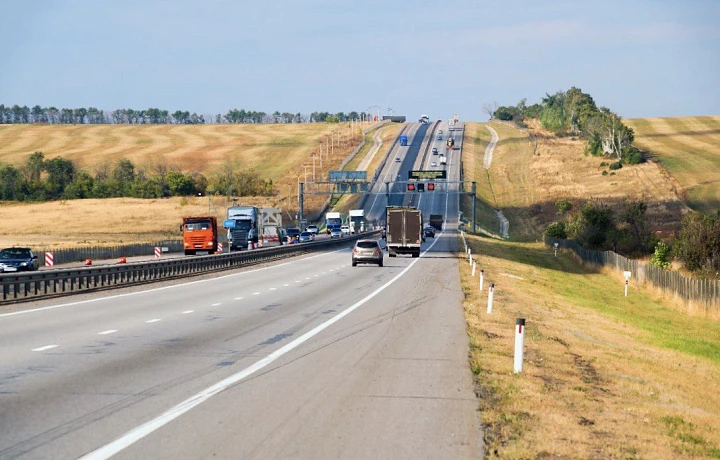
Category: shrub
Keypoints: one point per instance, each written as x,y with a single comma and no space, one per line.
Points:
604,173
604,163
661,256
556,230
633,156
563,206
616,165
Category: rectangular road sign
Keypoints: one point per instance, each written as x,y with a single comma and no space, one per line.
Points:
424,174
335,176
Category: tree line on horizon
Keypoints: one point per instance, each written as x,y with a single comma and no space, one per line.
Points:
153,116
40,179
575,113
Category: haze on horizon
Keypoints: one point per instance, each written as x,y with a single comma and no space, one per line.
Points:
644,59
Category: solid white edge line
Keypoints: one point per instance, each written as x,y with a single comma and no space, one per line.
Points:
147,428
46,347
99,299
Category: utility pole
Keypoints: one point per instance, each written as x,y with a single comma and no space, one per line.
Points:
305,166
313,157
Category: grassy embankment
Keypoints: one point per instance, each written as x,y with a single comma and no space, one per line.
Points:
689,149
527,185
277,152
606,376
475,142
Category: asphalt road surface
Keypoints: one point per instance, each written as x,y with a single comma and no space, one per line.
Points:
307,358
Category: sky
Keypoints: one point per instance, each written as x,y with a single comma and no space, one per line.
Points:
651,58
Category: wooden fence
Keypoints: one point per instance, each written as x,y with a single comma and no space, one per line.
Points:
704,293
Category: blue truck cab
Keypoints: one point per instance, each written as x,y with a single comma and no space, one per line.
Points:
403,140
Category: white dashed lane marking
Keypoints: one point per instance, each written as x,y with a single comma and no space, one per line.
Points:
153,320
256,293
187,312
46,347
272,289
109,331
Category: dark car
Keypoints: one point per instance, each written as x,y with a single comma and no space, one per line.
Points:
306,237
18,260
293,235
367,251
429,231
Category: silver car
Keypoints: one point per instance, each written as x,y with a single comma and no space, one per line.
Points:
367,251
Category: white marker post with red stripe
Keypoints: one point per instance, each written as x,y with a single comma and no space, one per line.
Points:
491,293
482,279
473,268
519,344
158,252
627,278
49,259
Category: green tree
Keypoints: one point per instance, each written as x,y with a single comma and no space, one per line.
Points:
556,230
179,184
61,173
698,244
633,214
591,225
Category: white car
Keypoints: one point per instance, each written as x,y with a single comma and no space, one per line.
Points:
440,131
433,164
345,230
312,229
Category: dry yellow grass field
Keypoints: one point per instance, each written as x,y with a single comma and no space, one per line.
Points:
689,148
278,152
475,141
605,376
527,184
98,222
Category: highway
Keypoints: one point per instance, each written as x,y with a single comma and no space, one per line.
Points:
307,358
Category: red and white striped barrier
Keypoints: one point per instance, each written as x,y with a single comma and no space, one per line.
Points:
158,252
251,245
49,259
519,344
219,248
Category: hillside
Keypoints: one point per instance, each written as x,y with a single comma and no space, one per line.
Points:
689,149
527,181
281,152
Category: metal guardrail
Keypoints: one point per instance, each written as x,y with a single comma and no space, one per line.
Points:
33,285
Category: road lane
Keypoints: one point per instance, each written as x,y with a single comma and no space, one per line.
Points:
389,380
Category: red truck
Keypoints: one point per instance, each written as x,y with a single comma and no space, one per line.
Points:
200,234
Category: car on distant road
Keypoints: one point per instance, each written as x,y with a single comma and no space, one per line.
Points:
439,137
306,237
433,164
397,160
18,260
345,230
429,232
336,233
440,131
367,251
435,151
293,235
312,229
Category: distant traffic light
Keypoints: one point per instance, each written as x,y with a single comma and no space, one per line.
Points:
411,187
431,187
421,187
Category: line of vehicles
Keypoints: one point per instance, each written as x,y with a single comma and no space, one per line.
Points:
250,227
